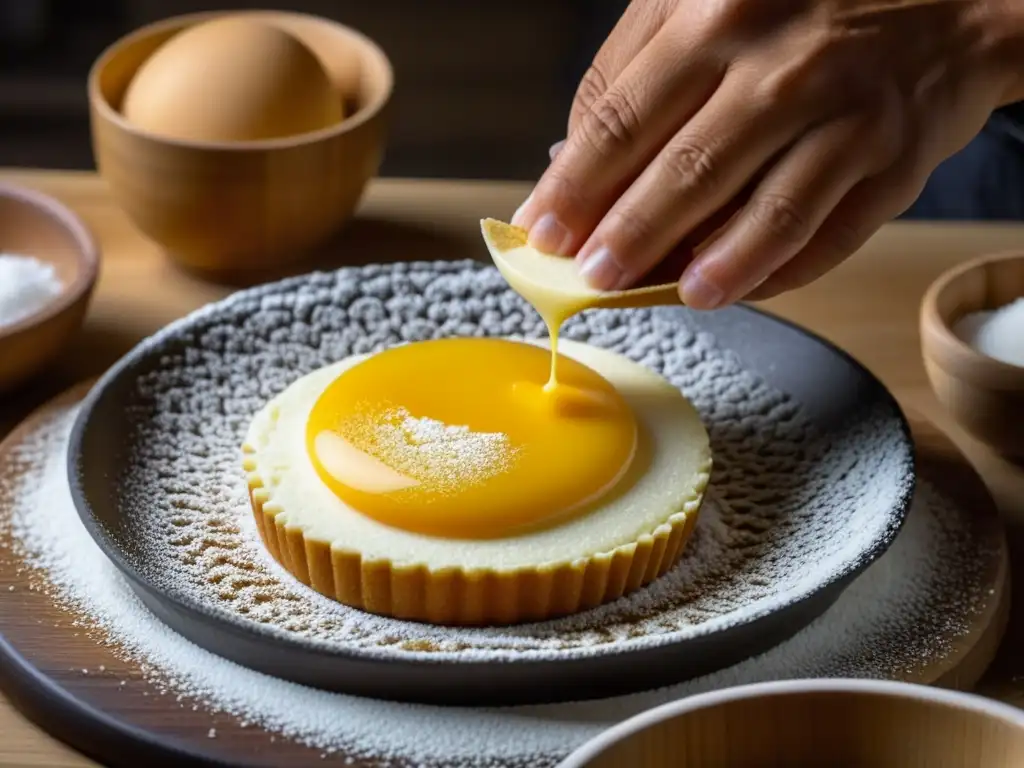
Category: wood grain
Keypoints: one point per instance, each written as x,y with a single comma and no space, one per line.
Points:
868,306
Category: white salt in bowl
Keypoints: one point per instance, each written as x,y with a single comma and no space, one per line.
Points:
854,723
983,394
37,226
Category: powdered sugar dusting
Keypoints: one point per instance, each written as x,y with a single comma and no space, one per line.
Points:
908,610
767,535
444,456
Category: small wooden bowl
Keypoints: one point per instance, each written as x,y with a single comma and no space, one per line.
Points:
234,208
984,395
32,224
852,723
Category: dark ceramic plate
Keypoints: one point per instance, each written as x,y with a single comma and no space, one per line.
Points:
813,476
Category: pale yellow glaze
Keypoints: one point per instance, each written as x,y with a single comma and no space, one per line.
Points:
424,436
553,284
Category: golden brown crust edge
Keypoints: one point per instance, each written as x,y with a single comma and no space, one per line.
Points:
458,597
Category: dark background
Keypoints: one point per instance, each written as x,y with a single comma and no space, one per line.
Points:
483,87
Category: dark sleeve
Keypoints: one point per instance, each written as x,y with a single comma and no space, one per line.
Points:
985,180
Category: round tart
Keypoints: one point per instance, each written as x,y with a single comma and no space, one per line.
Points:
632,533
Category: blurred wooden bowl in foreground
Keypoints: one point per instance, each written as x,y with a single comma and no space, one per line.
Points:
849,723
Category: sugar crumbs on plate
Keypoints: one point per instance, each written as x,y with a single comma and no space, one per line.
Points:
779,490
906,611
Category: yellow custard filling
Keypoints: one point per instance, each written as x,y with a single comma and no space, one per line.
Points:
459,438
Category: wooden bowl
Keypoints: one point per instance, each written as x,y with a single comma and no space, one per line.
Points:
984,395
849,723
234,208
32,224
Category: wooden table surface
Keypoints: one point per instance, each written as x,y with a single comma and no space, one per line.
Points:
868,306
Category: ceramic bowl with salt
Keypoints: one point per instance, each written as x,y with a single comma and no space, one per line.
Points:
49,263
979,383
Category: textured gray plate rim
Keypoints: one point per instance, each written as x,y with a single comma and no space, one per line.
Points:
218,630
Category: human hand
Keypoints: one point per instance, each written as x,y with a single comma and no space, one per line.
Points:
819,120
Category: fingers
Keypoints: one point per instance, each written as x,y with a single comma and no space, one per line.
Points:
699,170
871,204
669,269
787,208
613,141
635,28
638,24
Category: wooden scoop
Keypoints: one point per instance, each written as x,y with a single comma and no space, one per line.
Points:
553,285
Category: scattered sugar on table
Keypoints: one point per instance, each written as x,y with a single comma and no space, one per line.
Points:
998,333
26,286
908,609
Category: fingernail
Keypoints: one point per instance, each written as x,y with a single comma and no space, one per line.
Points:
601,271
699,292
550,235
517,217
556,148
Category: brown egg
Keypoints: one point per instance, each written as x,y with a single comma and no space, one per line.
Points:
232,79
